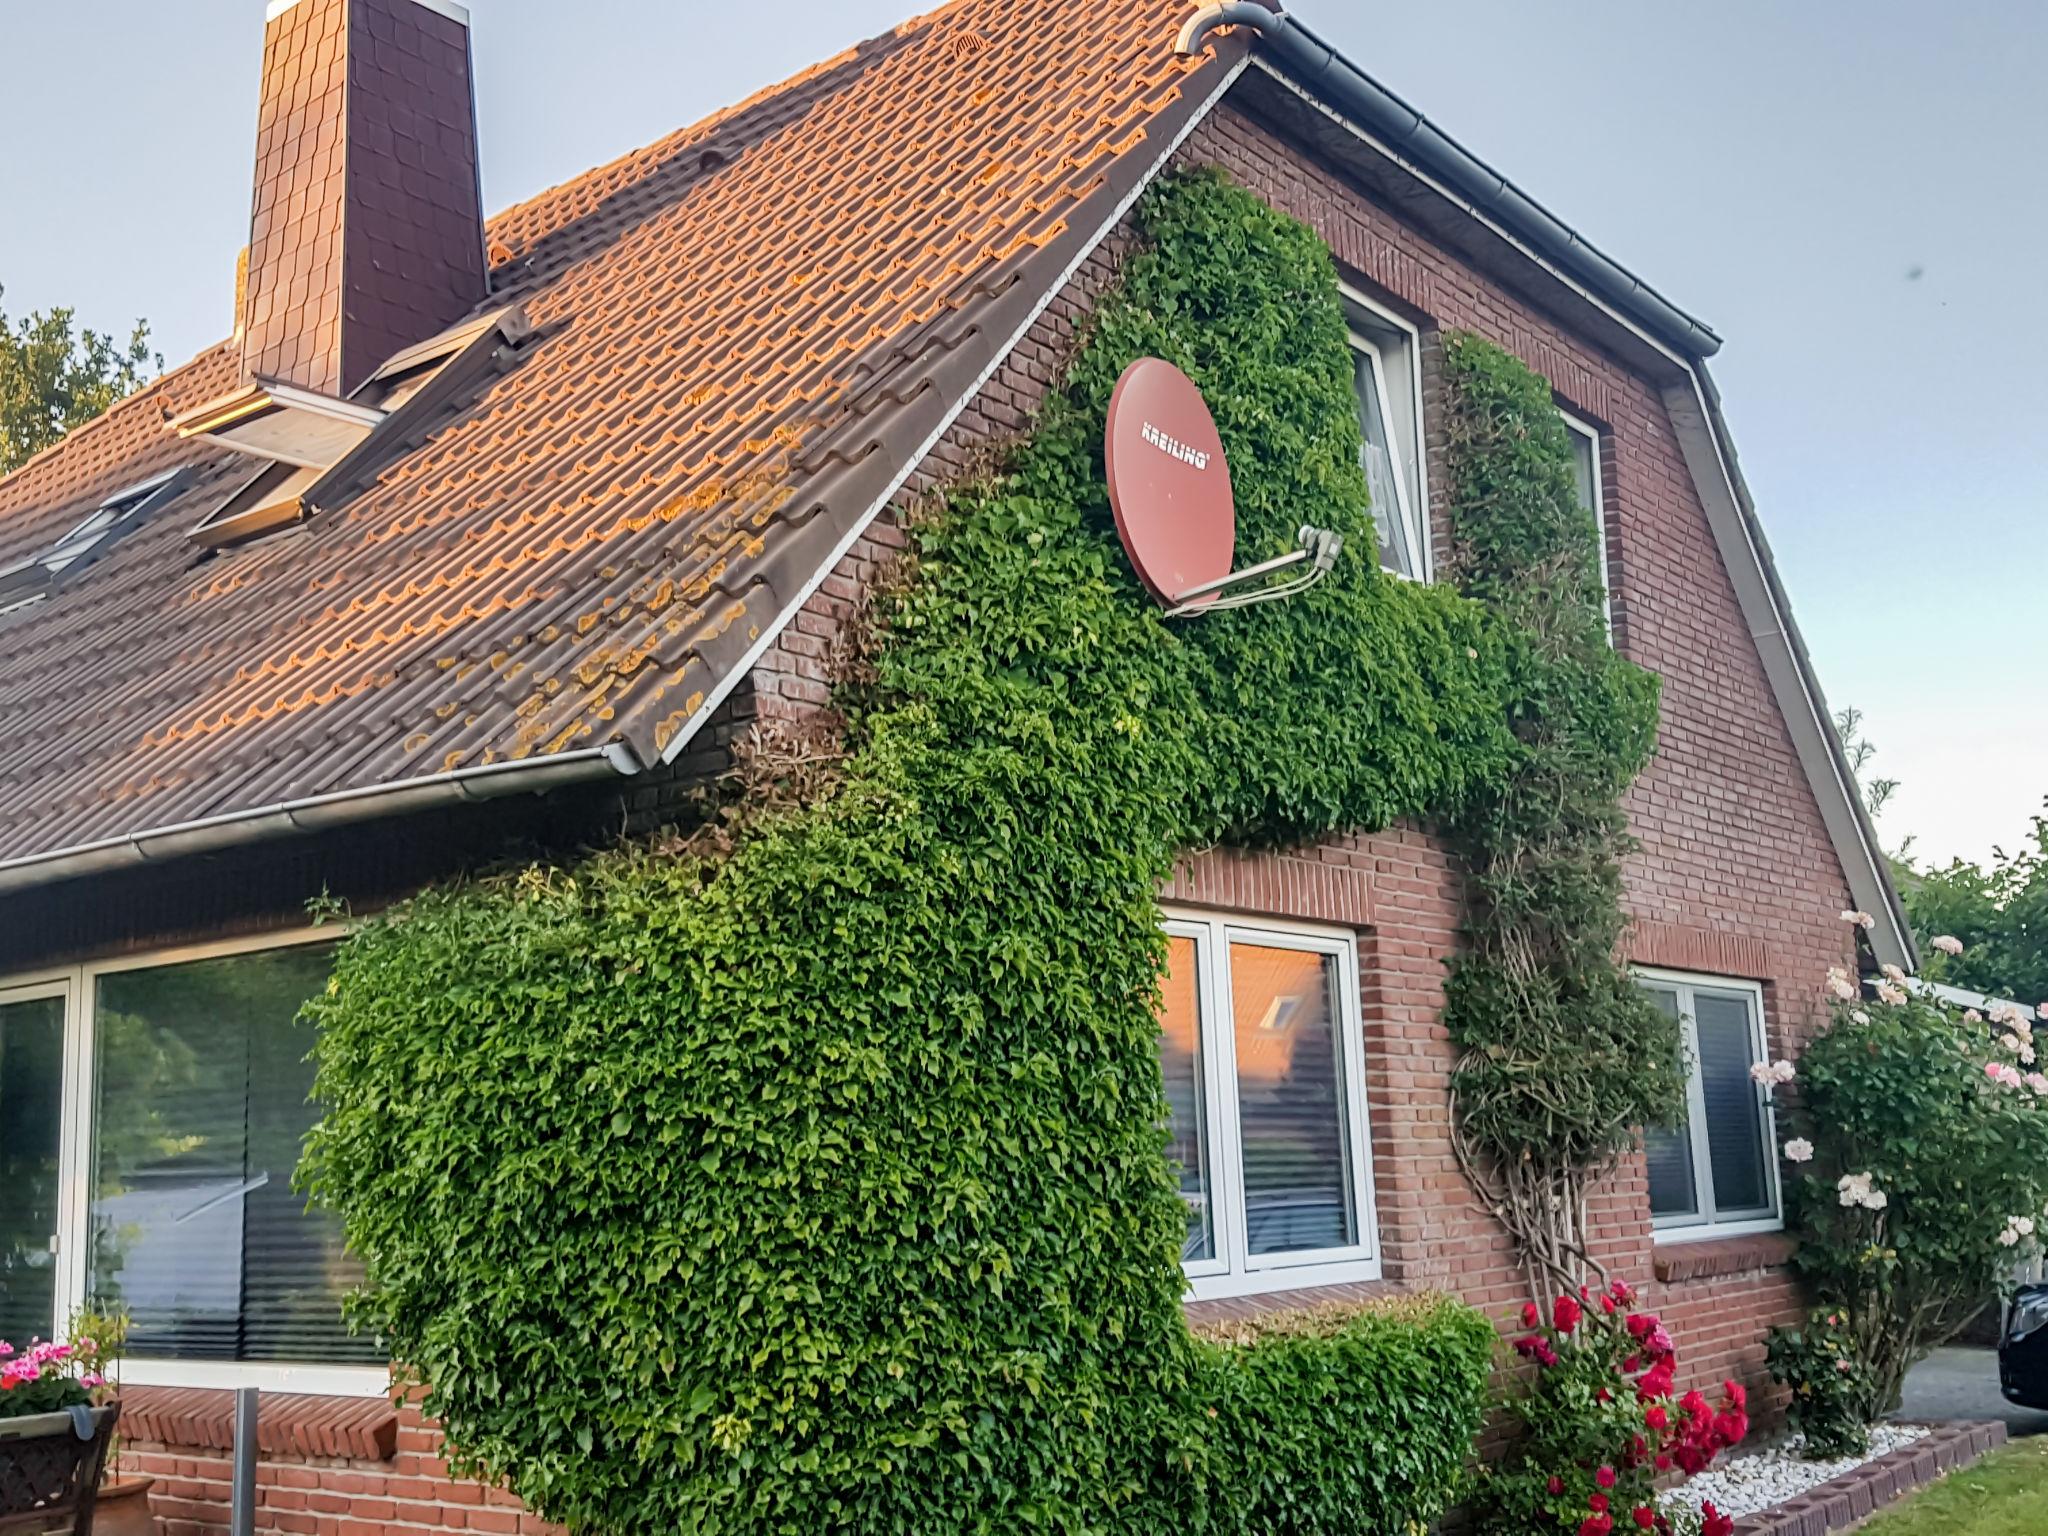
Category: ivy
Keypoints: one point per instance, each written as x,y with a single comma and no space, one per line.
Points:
1563,1057
817,1181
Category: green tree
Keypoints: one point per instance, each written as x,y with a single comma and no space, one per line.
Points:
1999,914
54,378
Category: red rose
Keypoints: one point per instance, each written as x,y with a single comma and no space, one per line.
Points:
1644,1516
1713,1522
1555,1486
1604,1477
1663,1462
1656,1417
1607,1305
1737,1394
1600,1525
1530,1316
1565,1314
1597,1503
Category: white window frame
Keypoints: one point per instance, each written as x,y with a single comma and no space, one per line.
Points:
1708,1224
1592,434
77,985
1416,515
1234,1270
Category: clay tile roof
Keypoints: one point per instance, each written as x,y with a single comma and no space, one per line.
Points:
743,335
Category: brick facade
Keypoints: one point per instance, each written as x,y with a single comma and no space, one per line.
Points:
1735,874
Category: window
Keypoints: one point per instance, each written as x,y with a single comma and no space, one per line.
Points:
30,579
151,1118
1716,1175
1263,1060
1389,389
1585,440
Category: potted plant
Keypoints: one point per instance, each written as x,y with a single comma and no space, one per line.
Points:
99,1335
53,1436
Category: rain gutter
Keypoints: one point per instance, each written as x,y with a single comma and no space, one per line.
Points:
1323,72
317,813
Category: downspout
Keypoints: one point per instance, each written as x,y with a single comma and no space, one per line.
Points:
1324,73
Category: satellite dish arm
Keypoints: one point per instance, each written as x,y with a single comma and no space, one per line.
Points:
1318,545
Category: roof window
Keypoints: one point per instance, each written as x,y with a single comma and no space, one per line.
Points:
28,580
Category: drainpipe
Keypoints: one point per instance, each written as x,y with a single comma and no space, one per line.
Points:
1324,73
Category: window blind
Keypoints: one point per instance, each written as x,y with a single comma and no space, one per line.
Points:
202,1083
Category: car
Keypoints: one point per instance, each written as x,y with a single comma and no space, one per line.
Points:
2023,1348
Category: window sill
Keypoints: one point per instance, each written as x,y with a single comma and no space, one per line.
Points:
1221,1311
1722,1256
287,1423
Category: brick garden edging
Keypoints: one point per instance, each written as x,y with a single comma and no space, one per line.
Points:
1840,1503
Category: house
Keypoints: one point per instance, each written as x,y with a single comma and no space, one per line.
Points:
487,535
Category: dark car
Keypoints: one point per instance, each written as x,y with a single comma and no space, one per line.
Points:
2023,1348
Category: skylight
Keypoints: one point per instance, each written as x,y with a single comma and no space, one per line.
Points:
30,579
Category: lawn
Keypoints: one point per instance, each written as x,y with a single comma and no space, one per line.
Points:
2005,1494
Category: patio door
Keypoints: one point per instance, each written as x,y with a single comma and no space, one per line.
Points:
31,1141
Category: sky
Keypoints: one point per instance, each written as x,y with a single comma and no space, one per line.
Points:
1849,191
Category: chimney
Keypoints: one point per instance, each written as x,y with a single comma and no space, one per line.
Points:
366,233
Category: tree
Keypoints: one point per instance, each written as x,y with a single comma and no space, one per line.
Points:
2000,916
53,379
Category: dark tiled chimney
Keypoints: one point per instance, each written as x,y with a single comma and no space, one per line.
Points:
366,233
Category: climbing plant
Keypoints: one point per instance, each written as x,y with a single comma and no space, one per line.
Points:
815,1179
1563,1057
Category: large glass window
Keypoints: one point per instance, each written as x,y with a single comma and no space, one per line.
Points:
1716,1172
1262,1056
201,1083
31,1105
1390,422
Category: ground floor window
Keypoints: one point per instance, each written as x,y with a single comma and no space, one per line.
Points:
1262,1054
154,1111
1716,1174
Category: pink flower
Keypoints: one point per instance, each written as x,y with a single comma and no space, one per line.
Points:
1860,919
1948,944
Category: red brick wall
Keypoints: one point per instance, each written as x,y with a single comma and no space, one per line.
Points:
1735,874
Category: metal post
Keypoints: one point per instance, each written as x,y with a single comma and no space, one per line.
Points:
242,1520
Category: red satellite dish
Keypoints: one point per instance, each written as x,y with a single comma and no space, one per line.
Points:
1168,484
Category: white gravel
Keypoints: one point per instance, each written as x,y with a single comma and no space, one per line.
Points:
1778,1472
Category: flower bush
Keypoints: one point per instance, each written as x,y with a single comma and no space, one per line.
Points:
46,1377
1833,1394
1599,1427
1921,1140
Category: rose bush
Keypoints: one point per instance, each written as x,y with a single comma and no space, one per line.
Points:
1921,1136
1600,1429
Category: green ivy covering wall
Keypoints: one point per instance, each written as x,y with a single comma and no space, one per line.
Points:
820,1185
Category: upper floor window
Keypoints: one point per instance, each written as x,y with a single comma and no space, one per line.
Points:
1263,1059
1585,440
1716,1174
1389,384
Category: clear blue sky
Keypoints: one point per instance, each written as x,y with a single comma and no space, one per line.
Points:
1782,168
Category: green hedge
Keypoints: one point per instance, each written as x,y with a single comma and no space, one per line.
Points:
1338,1422
819,1185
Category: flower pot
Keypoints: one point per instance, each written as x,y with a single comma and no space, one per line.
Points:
124,1508
47,1472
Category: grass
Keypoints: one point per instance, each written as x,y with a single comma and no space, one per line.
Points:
2005,1494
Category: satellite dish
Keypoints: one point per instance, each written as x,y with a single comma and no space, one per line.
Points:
1169,488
